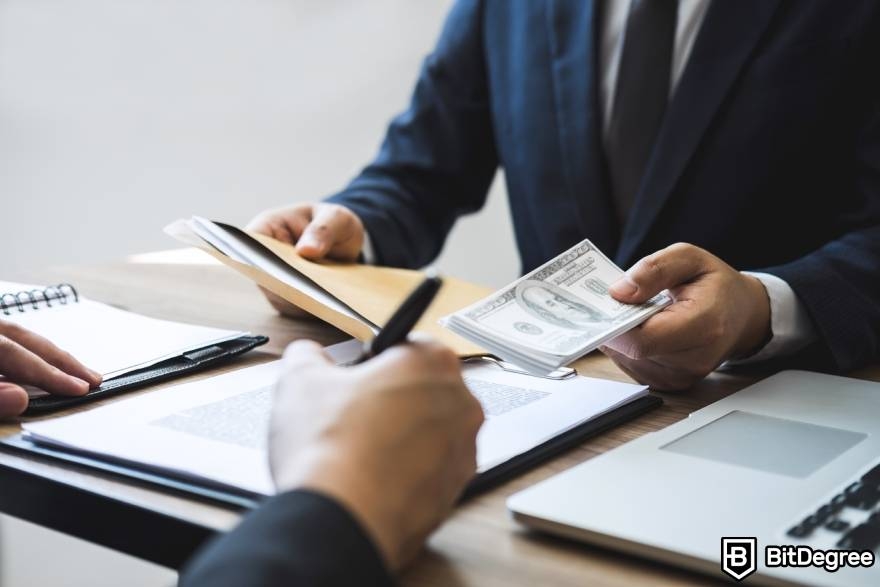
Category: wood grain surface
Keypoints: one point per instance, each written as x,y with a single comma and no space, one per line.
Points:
480,544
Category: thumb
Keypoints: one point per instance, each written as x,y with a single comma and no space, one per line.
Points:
323,232
302,354
665,269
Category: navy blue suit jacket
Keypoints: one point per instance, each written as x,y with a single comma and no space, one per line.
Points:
769,153
296,539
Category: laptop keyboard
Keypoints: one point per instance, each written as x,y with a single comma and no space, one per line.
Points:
851,518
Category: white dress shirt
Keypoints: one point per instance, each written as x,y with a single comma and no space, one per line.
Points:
791,327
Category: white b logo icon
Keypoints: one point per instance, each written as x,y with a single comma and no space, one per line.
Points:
738,557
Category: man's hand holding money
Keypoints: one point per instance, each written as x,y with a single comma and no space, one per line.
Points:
718,314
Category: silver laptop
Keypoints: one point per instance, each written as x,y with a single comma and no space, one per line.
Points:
776,484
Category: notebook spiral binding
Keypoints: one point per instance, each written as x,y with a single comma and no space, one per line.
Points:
63,294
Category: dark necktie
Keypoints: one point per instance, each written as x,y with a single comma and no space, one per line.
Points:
640,96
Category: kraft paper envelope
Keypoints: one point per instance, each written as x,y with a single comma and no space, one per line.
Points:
373,292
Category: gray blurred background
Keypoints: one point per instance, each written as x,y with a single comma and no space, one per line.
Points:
117,116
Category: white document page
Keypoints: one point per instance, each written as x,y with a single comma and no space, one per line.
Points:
216,428
106,339
523,411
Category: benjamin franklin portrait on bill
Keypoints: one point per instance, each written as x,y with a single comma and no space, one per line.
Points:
556,306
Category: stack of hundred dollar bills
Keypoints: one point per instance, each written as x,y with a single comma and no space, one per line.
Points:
557,313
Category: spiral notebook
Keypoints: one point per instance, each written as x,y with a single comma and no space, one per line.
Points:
129,349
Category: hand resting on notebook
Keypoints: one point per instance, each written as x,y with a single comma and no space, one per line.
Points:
319,231
393,440
29,359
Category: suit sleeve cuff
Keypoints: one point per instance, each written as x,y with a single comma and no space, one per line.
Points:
790,325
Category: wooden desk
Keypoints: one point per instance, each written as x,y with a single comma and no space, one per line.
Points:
479,545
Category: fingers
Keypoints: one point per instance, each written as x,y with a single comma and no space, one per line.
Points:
677,328
305,354
433,368
13,400
418,358
23,366
318,230
333,232
284,224
652,373
622,364
668,268
284,307
50,353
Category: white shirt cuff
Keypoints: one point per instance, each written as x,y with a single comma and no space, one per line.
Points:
367,250
790,325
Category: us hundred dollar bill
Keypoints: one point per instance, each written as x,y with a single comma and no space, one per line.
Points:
561,309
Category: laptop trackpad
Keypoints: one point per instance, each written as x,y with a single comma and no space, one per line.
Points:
775,445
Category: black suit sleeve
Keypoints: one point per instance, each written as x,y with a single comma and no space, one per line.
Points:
296,539
438,158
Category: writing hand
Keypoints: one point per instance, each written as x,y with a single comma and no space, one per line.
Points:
393,439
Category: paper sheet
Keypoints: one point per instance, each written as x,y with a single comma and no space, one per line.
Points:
216,428
109,340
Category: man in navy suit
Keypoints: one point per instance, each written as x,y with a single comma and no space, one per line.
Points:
749,130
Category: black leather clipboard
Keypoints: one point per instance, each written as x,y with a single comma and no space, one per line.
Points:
184,364
237,498
201,489
531,458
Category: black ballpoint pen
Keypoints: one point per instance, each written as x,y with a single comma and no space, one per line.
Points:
403,319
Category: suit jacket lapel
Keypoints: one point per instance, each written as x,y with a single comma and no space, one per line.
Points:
574,29
730,31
